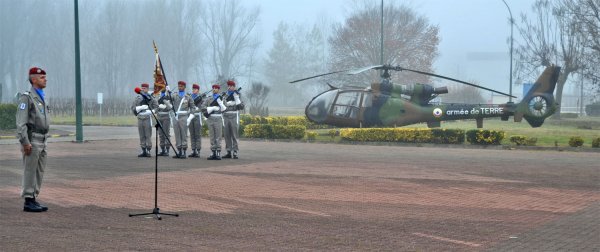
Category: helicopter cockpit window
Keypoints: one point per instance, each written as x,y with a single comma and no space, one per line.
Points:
318,108
347,104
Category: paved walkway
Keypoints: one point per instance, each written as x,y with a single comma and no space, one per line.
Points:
66,133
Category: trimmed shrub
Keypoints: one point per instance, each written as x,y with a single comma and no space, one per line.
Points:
258,131
8,118
596,142
333,133
576,141
523,140
407,135
485,137
448,136
274,131
311,135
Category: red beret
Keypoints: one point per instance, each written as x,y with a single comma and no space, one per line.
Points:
195,86
145,85
181,83
36,70
216,86
230,83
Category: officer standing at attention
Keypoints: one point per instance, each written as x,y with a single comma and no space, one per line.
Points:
195,122
212,109
231,119
32,131
183,106
163,114
142,111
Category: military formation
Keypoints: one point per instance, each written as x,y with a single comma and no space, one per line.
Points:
186,113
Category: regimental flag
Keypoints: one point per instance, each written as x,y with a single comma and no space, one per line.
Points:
160,81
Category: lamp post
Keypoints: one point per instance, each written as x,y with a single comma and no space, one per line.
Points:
512,21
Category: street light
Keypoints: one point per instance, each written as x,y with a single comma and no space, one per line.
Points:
512,21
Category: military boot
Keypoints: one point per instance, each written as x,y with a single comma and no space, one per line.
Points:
44,208
148,151
143,153
30,206
194,153
213,156
182,154
178,153
163,151
228,155
218,155
235,154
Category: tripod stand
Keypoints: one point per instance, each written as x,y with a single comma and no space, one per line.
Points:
156,211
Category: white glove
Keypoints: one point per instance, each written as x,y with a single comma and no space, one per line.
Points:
189,120
236,97
220,102
140,108
162,106
230,103
212,109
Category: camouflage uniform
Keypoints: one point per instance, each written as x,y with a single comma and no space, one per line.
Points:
231,122
183,106
144,117
212,107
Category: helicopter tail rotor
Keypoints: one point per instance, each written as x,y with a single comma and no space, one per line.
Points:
539,103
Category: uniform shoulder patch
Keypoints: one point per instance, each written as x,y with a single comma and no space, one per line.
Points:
22,106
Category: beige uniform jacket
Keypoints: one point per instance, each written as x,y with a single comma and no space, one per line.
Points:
32,116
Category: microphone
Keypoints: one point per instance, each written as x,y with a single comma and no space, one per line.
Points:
138,90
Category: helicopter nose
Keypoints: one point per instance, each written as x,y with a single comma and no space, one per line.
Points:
316,111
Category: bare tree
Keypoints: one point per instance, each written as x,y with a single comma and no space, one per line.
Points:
549,38
230,31
409,41
459,93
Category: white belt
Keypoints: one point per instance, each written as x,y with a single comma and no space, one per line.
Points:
145,113
38,135
182,112
231,112
163,113
216,115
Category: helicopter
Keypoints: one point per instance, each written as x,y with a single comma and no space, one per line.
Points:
386,104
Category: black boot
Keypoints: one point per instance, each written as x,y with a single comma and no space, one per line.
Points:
194,153
30,206
218,156
178,153
148,151
197,153
143,153
44,208
163,151
235,155
228,155
213,156
182,155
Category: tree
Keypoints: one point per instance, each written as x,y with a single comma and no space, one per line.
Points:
459,93
230,31
549,38
257,99
409,41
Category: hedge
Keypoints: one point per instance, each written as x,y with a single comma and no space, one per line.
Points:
523,140
485,137
576,141
596,142
8,118
407,135
274,131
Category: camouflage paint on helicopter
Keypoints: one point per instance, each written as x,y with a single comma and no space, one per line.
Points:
387,104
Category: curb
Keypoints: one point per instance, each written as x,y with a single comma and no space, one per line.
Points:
51,136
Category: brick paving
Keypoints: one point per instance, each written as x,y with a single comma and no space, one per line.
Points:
298,196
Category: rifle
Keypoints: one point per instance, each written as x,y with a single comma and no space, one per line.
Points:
212,104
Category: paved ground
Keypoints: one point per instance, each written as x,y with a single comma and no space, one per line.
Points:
300,196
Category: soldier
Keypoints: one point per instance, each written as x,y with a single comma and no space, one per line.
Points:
32,132
195,122
212,108
164,109
141,107
183,106
231,119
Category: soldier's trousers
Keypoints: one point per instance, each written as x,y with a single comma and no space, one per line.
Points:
34,166
181,129
215,131
165,121
145,132
196,132
231,130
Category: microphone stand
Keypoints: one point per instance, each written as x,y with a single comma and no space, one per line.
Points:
156,211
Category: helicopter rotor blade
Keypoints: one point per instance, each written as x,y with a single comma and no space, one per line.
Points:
360,70
318,76
451,79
